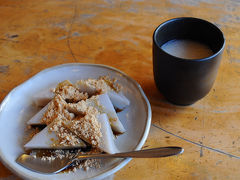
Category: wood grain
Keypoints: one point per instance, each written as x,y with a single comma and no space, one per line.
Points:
35,35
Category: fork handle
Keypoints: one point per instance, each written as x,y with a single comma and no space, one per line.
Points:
147,153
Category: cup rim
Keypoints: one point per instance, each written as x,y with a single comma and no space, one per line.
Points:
183,59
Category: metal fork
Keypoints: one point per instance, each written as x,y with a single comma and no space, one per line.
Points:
57,165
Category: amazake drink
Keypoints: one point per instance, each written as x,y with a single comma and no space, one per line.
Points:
187,49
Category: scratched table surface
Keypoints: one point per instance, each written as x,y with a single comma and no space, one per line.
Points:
35,35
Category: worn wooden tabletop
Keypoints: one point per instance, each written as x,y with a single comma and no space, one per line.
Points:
35,35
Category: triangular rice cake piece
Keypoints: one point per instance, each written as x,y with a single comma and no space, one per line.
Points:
107,143
47,139
105,106
43,98
106,140
118,99
36,119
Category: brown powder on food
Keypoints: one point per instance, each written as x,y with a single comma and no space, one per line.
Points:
71,94
56,110
65,136
101,85
74,117
87,128
70,119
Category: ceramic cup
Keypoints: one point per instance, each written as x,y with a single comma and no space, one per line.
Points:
183,81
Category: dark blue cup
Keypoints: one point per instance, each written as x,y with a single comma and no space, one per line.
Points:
183,81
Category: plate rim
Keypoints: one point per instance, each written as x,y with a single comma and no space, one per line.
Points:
124,161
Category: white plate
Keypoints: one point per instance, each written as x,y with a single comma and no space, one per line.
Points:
17,108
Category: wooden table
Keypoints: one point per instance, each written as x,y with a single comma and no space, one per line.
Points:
35,35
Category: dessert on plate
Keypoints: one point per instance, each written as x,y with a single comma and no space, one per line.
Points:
78,118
